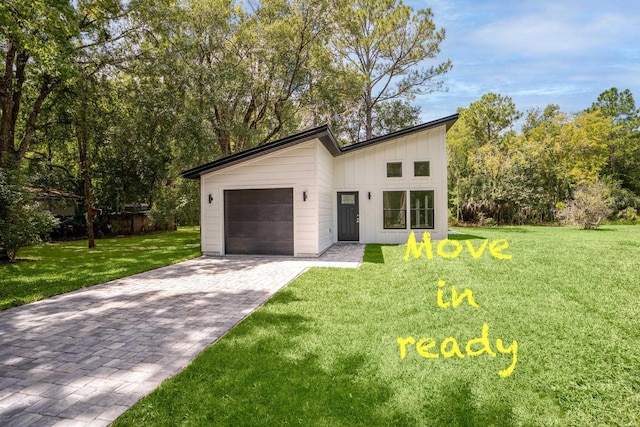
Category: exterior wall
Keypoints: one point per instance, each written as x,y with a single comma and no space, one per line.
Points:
364,170
294,167
326,199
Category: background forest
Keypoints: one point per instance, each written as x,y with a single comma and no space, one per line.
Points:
107,101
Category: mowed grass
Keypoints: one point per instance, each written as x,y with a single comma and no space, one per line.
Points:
52,269
324,351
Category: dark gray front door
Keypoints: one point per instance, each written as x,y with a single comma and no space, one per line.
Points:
348,216
258,221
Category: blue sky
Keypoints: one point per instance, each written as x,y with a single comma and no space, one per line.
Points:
537,52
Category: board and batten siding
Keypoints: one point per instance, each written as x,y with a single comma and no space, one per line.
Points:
326,199
365,170
293,167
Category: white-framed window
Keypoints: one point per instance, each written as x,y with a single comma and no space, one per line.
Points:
394,169
394,206
421,211
420,205
421,168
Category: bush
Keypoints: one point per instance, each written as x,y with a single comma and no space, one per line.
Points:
591,204
22,221
629,215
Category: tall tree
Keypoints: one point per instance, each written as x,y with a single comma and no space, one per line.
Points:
389,44
36,44
480,159
245,74
492,118
623,144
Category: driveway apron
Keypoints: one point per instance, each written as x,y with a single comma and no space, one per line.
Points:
85,357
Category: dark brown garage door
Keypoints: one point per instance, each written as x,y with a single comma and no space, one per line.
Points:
259,221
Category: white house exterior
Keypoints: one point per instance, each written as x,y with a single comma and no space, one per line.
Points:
301,194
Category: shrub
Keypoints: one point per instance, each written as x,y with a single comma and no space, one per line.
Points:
591,204
22,221
629,214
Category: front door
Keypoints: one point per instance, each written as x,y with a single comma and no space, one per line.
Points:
348,217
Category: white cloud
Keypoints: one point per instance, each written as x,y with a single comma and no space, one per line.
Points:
556,29
536,51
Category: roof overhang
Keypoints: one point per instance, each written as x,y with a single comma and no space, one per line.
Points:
445,121
323,133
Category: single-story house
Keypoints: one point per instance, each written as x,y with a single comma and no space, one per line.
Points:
301,194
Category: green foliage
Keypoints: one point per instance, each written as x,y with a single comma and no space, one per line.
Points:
591,204
520,178
387,43
629,215
188,212
166,204
63,267
391,116
623,142
22,221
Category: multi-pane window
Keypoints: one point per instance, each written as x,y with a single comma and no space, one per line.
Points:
395,209
421,169
394,169
421,209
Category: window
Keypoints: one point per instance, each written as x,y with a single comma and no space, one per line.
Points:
395,209
421,212
394,170
421,169
347,199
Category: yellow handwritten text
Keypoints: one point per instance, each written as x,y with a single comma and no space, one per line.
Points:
456,299
427,348
449,249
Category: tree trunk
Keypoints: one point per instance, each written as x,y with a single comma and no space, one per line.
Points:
368,110
458,199
89,205
224,139
82,137
11,105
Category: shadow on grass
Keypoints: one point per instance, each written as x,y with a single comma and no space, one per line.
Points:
285,296
263,374
373,254
456,407
271,370
464,237
511,229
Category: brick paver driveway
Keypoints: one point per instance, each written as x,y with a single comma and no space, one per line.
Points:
85,357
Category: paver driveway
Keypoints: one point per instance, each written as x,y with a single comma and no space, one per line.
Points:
85,357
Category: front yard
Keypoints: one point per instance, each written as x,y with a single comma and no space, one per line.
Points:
52,269
327,349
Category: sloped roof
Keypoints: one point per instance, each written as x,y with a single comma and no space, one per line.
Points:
323,133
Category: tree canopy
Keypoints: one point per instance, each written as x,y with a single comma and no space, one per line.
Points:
508,177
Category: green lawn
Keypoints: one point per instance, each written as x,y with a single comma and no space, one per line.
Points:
53,269
324,351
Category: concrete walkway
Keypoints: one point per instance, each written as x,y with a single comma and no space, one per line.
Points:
85,357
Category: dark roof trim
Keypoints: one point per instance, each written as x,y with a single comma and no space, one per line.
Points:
448,121
323,133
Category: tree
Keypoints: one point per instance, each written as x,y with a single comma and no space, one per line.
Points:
591,204
480,158
394,115
36,43
244,75
624,143
386,42
21,220
491,119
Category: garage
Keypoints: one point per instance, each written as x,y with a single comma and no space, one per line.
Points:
259,221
